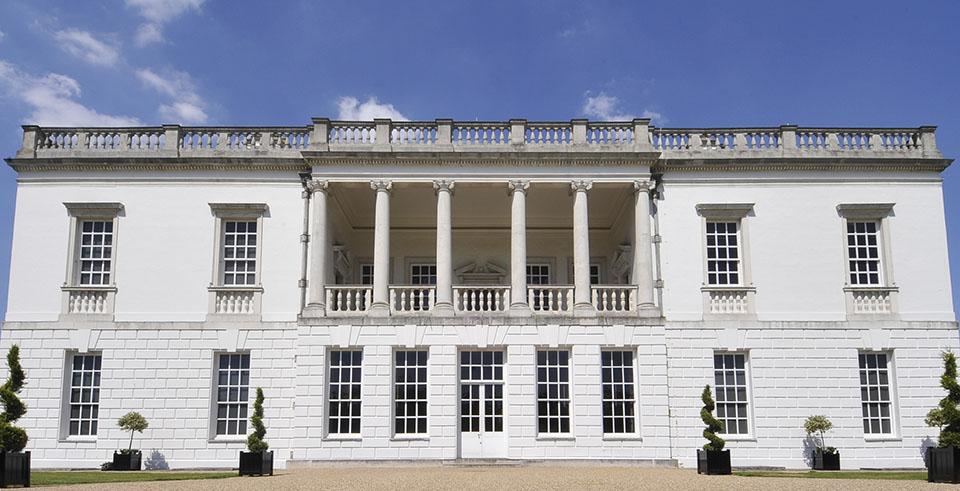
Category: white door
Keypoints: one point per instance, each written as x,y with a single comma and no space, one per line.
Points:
482,426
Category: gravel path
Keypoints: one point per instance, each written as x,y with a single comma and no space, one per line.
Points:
487,478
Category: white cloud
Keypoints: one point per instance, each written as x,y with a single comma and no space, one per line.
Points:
83,45
2,35
351,109
157,13
607,108
186,105
53,99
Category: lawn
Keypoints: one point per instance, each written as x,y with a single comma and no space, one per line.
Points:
894,475
53,478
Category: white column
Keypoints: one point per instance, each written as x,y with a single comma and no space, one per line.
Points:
381,249
319,247
642,272
581,248
444,304
518,248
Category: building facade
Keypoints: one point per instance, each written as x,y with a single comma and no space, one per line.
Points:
500,290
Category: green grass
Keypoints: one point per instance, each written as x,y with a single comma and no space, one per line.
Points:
54,478
893,475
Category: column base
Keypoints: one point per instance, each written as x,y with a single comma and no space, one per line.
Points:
379,309
519,310
648,310
314,310
584,310
443,309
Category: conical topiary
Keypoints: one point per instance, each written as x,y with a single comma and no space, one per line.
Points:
12,438
255,441
947,415
713,424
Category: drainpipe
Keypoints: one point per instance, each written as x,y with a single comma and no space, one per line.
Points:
658,282
304,239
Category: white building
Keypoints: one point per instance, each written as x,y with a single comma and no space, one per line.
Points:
507,290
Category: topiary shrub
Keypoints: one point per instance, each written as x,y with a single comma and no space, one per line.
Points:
819,424
713,424
12,438
132,422
946,415
255,441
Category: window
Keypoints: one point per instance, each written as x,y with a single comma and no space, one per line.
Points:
875,394
233,392
481,391
538,274
96,252
594,274
723,256
84,394
423,274
730,378
863,253
344,415
410,392
239,253
553,391
619,398
366,274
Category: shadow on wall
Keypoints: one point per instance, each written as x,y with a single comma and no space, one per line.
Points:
925,444
156,462
809,447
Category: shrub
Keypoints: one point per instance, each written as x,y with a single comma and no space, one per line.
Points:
946,415
132,422
255,441
12,438
713,424
819,424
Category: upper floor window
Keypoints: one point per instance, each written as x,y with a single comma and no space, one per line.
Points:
422,274
239,230
93,227
869,286
863,253
366,274
727,281
723,253
538,274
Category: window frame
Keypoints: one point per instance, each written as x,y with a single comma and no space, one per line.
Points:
880,214
894,433
728,212
65,402
541,435
328,400
228,212
214,403
748,380
393,395
79,212
636,433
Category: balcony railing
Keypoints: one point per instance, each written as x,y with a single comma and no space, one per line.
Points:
614,298
349,299
412,299
481,298
384,135
550,298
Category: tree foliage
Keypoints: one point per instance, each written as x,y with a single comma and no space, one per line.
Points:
713,424
947,415
819,424
132,422
12,438
255,441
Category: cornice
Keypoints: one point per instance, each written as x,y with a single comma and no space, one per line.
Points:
801,164
487,159
153,164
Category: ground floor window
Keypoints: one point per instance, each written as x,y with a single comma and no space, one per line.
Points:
344,408
233,392
553,391
730,377
875,394
84,396
410,392
618,389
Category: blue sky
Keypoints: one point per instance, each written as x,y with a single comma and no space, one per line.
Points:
823,63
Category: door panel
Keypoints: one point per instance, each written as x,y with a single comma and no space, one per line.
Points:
482,425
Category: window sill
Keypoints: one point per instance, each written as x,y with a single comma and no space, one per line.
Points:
228,439
882,438
88,288
343,438
235,288
727,288
410,438
738,438
78,439
547,438
622,438
868,288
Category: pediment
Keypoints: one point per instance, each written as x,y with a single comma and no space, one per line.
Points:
481,273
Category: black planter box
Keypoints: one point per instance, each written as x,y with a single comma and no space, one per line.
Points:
943,465
713,462
823,461
14,469
126,461
256,463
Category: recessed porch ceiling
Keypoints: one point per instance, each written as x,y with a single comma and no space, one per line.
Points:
482,205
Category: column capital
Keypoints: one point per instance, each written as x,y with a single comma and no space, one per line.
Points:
581,185
644,185
518,185
443,185
314,185
381,185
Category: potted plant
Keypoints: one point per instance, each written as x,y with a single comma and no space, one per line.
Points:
943,462
824,458
14,462
129,459
712,459
258,461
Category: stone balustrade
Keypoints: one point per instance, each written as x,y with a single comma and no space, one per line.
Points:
384,135
872,301
483,299
412,299
342,299
87,302
230,301
729,301
614,298
550,298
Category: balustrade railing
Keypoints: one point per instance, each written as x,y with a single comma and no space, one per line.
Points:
614,298
87,302
348,299
235,302
410,299
729,301
481,298
550,298
576,135
866,301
